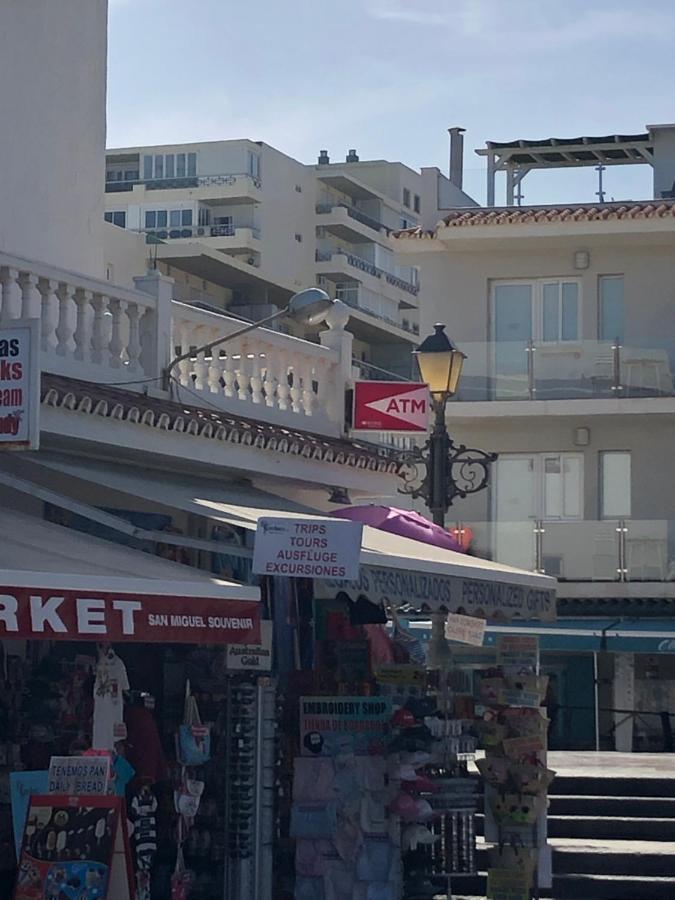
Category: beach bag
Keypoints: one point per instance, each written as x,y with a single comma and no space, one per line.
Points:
194,739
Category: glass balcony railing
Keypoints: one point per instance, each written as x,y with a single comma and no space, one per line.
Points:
364,265
581,550
568,370
242,179
354,213
154,235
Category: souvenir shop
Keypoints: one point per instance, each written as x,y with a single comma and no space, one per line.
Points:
134,671
381,731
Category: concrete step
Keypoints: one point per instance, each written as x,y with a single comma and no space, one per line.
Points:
621,786
636,807
581,887
625,828
595,857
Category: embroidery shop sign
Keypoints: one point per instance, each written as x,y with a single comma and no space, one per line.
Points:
475,597
94,615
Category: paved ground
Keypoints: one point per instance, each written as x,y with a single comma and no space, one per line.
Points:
607,764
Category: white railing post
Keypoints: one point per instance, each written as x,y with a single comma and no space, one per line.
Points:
340,341
65,329
11,294
48,288
155,325
31,302
82,335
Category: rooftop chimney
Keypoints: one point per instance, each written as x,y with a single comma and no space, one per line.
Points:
456,156
324,159
352,157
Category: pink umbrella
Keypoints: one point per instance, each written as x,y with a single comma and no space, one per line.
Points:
403,522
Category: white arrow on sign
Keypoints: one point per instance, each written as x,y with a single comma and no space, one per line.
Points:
411,407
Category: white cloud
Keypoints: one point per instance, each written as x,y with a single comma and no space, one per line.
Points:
530,24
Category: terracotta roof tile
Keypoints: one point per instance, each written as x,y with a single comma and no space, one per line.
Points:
526,215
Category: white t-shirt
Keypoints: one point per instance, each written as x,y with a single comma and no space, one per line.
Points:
111,681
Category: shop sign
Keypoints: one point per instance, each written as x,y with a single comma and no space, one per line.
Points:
333,725
465,629
401,674
391,406
487,599
54,615
518,654
307,548
20,385
509,884
79,775
75,847
256,657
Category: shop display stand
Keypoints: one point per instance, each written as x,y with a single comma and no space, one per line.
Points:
519,701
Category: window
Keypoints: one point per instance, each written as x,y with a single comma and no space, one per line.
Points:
169,165
186,218
610,308
191,164
545,310
203,215
116,218
615,484
131,175
406,197
155,218
159,166
416,203
298,238
538,486
180,165
147,168
253,164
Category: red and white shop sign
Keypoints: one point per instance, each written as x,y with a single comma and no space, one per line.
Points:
391,406
39,613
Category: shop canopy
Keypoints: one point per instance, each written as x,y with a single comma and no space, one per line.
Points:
579,635
60,584
405,573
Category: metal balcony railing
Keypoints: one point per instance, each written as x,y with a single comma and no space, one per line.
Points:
370,268
229,179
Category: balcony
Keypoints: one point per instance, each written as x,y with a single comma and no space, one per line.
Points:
231,237
349,222
567,370
617,550
239,185
95,331
339,261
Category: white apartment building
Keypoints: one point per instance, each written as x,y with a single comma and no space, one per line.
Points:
567,317
240,225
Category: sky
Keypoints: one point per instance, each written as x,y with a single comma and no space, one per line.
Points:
388,77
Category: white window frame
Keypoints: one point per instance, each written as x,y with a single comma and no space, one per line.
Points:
537,286
539,485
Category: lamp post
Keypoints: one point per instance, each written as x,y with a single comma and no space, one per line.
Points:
450,470
308,306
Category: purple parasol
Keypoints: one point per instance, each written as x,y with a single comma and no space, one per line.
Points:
403,522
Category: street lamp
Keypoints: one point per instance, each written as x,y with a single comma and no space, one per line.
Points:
450,470
307,307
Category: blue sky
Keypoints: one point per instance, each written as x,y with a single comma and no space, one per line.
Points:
389,76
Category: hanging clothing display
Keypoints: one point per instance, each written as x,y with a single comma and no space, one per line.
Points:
109,686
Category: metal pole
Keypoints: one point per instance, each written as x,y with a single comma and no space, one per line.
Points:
597,700
438,447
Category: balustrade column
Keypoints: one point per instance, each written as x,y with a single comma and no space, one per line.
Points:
296,391
116,344
215,372
270,381
229,376
185,365
31,301
99,338
283,386
256,380
65,328
308,395
134,342
50,301
243,379
11,295
82,335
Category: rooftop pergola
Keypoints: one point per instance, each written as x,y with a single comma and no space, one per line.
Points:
517,158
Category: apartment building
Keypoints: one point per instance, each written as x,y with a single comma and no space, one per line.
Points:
566,314
240,225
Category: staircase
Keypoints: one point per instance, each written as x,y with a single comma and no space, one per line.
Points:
613,838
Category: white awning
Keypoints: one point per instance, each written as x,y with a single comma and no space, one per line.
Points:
397,569
35,553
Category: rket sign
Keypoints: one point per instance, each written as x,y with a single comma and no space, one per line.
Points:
391,406
19,386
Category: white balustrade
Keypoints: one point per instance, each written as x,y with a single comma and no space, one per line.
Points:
96,331
89,329
264,375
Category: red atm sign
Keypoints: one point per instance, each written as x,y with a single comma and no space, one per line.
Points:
391,406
